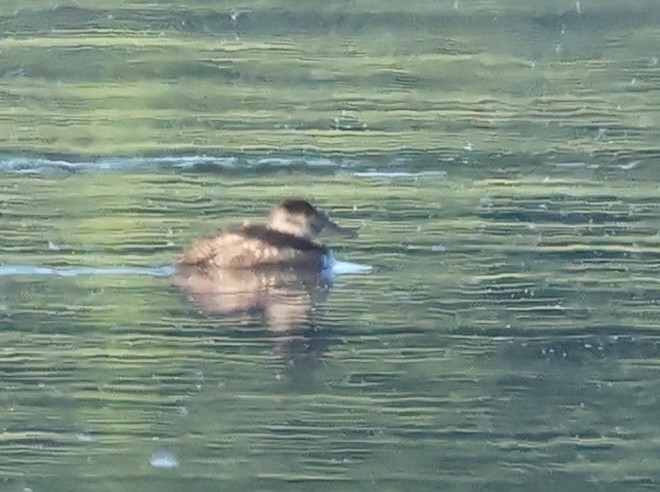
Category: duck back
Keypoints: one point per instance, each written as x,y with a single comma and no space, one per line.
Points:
254,246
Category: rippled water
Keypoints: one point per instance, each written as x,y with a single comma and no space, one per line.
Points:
501,161
506,336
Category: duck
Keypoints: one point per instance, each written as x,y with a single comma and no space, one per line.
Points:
288,240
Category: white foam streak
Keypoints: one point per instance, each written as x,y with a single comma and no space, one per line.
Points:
19,270
346,267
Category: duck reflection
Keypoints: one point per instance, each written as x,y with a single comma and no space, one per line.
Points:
285,299
286,302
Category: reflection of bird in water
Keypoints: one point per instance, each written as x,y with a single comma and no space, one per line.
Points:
285,298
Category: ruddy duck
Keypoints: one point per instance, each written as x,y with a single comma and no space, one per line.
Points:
287,241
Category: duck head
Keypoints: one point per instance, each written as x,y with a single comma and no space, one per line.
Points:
300,218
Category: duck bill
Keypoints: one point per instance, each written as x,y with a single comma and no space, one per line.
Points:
335,229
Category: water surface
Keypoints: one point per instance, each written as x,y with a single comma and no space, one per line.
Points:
501,161
506,335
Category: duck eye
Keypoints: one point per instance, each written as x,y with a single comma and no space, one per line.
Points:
316,226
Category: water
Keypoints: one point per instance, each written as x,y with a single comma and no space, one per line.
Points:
505,335
493,327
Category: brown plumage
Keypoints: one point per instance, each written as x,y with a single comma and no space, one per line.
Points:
287,241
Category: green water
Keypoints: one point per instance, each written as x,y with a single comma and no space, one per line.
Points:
157,78
500,159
